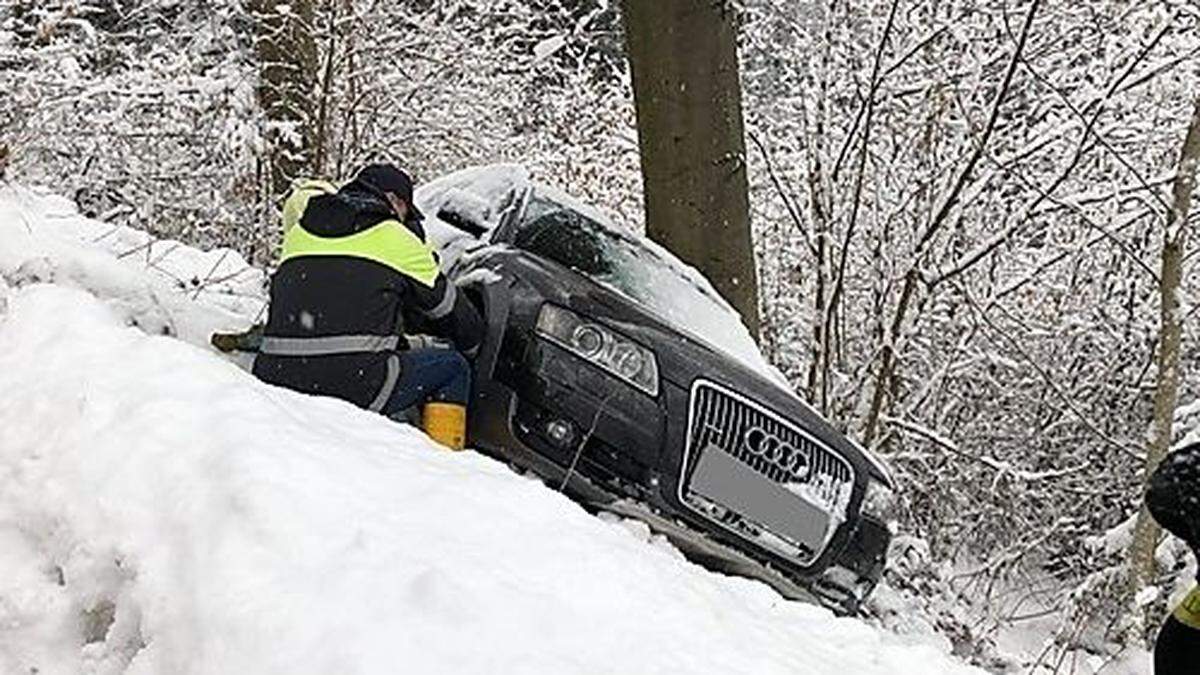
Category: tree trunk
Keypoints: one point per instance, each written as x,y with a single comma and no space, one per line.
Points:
1145,536
888,364
820,366
683,57
321,151
287,64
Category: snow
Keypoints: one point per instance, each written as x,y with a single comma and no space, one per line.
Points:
479,277
46,240
483,187
548,47
1145,596
161,511
481,193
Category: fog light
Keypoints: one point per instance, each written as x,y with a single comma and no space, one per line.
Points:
559,431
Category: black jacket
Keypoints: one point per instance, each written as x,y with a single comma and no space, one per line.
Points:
352,294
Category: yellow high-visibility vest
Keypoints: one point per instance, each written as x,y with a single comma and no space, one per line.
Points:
388,242
297,200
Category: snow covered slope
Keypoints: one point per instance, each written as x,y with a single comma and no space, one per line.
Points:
163,512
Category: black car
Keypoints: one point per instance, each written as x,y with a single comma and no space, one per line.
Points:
616,373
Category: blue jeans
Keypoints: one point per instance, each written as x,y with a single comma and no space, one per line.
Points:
430,375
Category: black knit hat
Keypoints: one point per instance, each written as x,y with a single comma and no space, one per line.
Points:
383,178
1173,494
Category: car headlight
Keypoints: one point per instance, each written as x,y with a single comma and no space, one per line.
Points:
600,345
880,501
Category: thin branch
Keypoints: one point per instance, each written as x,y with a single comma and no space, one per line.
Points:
964,176
839,281
1046,377
1099,104
784,195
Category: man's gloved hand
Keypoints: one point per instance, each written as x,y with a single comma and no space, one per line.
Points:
427,342
247,341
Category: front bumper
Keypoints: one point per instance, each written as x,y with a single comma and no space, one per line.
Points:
623,445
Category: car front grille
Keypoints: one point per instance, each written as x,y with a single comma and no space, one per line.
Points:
729,433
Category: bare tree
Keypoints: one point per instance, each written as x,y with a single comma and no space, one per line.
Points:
1145,537
683,57
883,382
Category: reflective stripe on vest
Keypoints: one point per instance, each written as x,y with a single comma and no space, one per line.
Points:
328,344
388,386
388,243
445,305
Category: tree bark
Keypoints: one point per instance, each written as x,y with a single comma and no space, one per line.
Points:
820,365
321,125
683,57
1146,531
286,49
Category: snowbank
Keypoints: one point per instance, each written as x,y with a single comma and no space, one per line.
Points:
164,287
163,512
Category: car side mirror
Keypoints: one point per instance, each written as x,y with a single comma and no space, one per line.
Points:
466,212
461,221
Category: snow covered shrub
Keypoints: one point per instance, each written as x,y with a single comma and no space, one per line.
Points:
497,81
141,111
1019,331
146,112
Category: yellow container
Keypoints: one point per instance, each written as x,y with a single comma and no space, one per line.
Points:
1188,611
446,423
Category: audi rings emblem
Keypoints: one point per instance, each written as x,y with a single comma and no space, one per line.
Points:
792,460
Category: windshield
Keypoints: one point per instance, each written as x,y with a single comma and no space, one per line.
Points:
634,268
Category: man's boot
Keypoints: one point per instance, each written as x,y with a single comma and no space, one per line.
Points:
446,423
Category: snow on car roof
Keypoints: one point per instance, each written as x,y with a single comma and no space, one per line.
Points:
477,190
